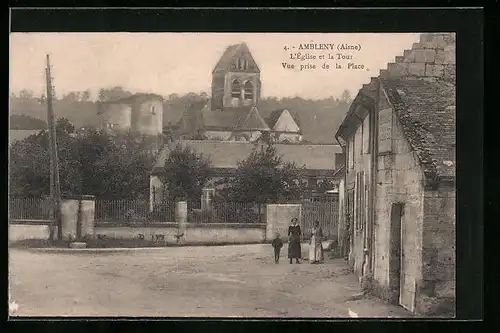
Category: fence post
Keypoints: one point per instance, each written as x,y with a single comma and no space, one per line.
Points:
181,218
69,218
206,201
152,200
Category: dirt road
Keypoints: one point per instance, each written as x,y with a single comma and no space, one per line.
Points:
225,281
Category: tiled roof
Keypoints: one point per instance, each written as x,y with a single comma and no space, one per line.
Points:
276,114
227,57
228,154
227,118
426,111
252,121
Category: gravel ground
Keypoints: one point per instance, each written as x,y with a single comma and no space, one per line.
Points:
224,281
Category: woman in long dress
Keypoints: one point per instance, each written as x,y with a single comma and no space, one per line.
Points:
315,247
294,249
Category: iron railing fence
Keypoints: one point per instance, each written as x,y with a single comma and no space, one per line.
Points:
227,212
27,208
133,211
326,213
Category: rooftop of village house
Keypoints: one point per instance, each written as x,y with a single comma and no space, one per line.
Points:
226,154
425,107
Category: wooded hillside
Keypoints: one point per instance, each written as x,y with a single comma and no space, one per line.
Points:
319,119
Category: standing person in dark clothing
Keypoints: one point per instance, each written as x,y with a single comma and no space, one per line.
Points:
277,245
294,248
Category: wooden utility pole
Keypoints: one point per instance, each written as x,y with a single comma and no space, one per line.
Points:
55,189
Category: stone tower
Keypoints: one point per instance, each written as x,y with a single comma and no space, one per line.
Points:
235,79
140,113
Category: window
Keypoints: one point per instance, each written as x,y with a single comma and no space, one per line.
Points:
235,89
152,110
350,152
366,135
248,90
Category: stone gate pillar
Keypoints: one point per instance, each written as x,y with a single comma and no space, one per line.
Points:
77,217
69,218
87,216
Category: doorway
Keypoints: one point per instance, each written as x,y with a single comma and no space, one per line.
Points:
403,283
395,255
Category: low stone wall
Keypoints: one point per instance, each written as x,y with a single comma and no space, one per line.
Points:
20,230
278,217
192,233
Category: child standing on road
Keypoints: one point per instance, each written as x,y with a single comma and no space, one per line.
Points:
277,245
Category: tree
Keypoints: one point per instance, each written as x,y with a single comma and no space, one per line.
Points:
346,97
113,94
173,97
26,94
63,125
114,167
72,97
85,95
186,173
263,177
92,162
29,163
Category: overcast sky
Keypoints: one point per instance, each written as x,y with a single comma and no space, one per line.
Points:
166,63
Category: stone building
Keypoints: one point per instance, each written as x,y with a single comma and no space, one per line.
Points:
399,186
232,114
141,113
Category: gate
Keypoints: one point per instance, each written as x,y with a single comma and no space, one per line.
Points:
327,213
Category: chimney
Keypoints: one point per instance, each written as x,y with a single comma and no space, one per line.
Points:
432,57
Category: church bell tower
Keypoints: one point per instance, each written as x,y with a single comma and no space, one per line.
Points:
235,79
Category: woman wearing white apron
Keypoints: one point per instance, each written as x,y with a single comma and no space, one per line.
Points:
315,247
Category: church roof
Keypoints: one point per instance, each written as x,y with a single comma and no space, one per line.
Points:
273,117
228,55
252,121
228,118
245,117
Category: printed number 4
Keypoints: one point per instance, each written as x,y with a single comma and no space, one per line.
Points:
286,48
